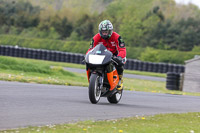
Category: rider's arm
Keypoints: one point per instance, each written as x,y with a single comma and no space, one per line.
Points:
121,48
93,42
91,45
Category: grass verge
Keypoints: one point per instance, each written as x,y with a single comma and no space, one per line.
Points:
51,63
146,73
39,71
152,86
162,123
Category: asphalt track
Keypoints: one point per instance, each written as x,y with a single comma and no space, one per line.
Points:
29,104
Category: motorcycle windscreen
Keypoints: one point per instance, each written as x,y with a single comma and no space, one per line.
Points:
99,55
96,59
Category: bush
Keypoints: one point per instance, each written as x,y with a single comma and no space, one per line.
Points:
167,56
134,52
37,33
144,54
150,55
66,46
59,45
196,49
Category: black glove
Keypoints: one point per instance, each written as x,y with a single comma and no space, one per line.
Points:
118,59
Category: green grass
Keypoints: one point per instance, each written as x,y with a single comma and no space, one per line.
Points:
39,71
146,73
151,86
6,60
51,63
58,79
162,123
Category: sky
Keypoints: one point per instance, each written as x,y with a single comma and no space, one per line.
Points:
195,2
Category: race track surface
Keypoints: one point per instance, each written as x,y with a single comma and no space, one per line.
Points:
25,104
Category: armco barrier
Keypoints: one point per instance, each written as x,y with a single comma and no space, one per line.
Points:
50,55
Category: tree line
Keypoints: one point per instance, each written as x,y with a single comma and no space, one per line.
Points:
149,23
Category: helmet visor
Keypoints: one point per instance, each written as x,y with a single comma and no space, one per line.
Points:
105,32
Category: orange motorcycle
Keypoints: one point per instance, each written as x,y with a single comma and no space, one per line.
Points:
102,75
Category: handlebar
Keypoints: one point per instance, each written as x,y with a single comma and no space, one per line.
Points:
114,61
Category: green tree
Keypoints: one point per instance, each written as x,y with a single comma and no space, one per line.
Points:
182,35
62,26
19,14
83,28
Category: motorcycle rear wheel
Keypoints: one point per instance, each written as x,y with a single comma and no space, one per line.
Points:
115,98
94,90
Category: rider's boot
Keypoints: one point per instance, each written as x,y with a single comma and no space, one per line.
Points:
120,84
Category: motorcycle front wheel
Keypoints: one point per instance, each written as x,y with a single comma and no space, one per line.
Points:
94,88
115,98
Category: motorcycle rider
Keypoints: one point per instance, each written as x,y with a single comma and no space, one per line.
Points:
114,43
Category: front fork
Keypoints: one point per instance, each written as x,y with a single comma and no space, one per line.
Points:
111,74
101,77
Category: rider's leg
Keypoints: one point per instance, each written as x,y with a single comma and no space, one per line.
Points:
120,70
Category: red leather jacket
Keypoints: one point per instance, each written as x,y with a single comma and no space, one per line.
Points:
115,44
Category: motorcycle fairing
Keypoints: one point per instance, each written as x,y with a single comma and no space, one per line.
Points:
99,55
88,74
99,59
113,79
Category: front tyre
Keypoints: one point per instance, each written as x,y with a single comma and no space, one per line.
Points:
115,98
94,88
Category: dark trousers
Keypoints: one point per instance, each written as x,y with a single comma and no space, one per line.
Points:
120,69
